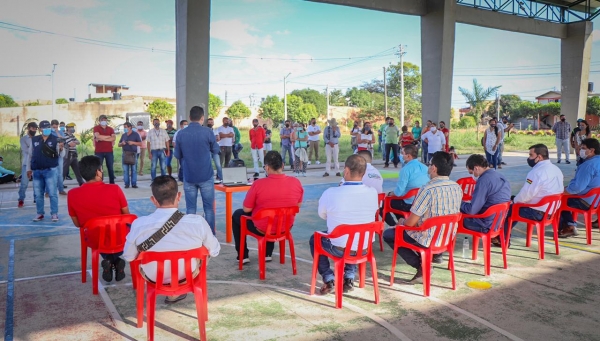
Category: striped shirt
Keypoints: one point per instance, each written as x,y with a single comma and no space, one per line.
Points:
440,196
562,130
158,139
68,139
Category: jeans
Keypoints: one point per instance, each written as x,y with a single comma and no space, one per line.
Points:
59,178
525,212
110,160
45,179
157,155
324,267
560,145
207,192
129,171
258,155
492,159
411,257
332,153
566,217
236,228
236,149
501,151
169,158
217,161
425,149
287,150
313,145
72,162
225,156
24,183
471,224
394,148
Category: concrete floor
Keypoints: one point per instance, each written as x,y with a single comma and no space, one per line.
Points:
553,299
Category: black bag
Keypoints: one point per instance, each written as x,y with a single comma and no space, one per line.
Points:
236,163
49,151
129,158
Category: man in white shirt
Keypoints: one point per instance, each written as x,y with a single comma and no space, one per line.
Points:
226,136
351,203
313,140
372,177
191,232
435,140
543,180
216,157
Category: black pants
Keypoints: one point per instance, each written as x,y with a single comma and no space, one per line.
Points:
7,178
411,257
397,205
71,161
225,156
236,227
393,147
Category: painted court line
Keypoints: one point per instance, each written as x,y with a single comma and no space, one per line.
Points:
10,295
112,310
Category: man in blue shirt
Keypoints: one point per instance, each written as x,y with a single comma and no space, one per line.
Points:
412,175
194,149
492,188
587,177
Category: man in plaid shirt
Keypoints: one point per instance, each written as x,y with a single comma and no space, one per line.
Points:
562,129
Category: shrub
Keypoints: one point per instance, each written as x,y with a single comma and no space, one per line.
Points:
540,133
467,122
99,99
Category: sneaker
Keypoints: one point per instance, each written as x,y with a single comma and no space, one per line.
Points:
297,174
107,273
68,178
126,186
256,175
499,166
338,174
327,288
568,162
503,163
558,161
40,217
174,299
318,162
54,218
21,204
268,259
308,163
568,232
438,259
246,260
348,285
326,174
304,174
217,181
134,186
595,224
119,267
65,186
417,278
386,166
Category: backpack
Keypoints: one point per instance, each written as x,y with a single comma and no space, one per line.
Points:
236,163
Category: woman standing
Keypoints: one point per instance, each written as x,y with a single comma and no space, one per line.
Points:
582,134
366,139
299,139
491,139
407,137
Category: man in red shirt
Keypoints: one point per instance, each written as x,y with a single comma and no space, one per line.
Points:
446,133
257,140
267,193
96,199
104,139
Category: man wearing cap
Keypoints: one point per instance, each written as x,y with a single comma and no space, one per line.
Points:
59,132
158,148
171,131
562,129
104,139
42,164
32,128
71,161
331,136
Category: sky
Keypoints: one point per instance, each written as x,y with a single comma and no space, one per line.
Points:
254,44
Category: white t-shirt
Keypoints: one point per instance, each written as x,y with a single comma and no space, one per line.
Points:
314,129
435,141
365,137
372,178
225,141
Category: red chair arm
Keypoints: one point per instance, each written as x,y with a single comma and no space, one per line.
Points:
573,196
412,228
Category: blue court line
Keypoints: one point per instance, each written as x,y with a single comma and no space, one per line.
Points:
10,294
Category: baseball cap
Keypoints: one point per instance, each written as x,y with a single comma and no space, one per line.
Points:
32,125
45,124
71,125
169,121
580,120
102,117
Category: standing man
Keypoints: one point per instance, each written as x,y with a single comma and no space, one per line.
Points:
268,144
313,140
71,143
562,129
130,141
226,136
416,131
195,148
42,164
216,157
382,137
171,131
435,141
182,124
392,137
26,142
60,134
446,133
257,140
158,148
104,139
237,146
286,144
424,152
143,146
331,136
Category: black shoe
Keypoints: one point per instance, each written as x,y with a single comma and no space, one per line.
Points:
106,270
65,186
417,278
503,163
169,300
338,174
568,162
438,259
348,285
119,269
68,178
126,186
595,224
558,161
134,186
327,288
326,174
256,175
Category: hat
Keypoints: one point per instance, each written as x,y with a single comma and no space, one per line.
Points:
102,117
70,125
169,121
45,124
32,125
333,122
580,120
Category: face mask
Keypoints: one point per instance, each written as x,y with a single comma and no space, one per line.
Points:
367,128
401,158
313,122
32,133
492,125
185,126
156,125
255,125
287,125
47,131
442,126
210,125
433,129
61,128
125,130
562,119
225,124
140,127
582,128
390,124
103,123
299,128
71,130
531,162
582,154
1,163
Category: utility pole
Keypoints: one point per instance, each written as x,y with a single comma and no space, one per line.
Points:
285,97
402,53
385,90
498,105
327,91
53,68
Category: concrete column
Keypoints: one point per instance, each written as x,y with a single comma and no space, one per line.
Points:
193,53
575,55
437,59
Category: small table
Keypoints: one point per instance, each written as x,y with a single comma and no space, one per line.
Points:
228,202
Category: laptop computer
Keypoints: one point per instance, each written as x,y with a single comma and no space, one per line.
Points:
234,177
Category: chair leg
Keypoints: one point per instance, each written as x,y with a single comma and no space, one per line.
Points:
393,269
292,253
375,279
95,279
262,245
281,251
140,301
199,298
451,266
242,247
380,241
587,219
541,240
150,311
83,260
313,281
529,233
555,234
426,269
487,255
339,283
475,247
133,276
362,272
504,246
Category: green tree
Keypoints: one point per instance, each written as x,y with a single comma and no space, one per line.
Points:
593,105
526,109
304,113
293,107
161,109
6,101
336,97
467,122
237,111
552,108
61,101
33,104
478,96
214,104
314,97
359,97
272,109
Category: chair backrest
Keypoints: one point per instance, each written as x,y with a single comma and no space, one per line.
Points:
499,212
444,230
411,193
554,202
279,220
110,231
467,184
380,200
364,232
173,258
595,193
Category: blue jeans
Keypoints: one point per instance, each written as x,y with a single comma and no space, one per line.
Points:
110,160
566,217
157,155
24,183
525,212
424,155
129,171
217,160
471,224
324,267
207,192
287,149
59,176
169,158
45,179
492,159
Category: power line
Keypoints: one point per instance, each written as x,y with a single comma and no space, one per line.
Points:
23,76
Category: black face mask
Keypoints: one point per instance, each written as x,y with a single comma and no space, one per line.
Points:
390,124
210,125
255,125
32,133
562,119
156,125
287,125
531,162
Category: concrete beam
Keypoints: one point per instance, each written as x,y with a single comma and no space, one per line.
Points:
508,22
192,19
437,59
411,7
575,56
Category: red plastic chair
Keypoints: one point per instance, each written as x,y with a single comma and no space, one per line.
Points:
499,212
102,235
587,214
361,256
380,199
551,217
468,186
195,285
278,229
444,233
387,208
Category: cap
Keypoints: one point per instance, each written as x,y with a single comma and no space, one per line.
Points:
45,124
169,121
102,117
70,125
32,125
580,120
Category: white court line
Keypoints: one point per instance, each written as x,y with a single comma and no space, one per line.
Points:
112,310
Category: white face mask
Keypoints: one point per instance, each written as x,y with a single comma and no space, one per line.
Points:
433,129
582,154
103,123
140,127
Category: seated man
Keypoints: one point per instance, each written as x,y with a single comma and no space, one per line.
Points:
274,191
587,177
492,189
351,203
372,177
440,196
543,180
412,175
5,174
191,232
96,199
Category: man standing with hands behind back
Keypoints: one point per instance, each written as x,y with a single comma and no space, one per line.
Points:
104,139
313,140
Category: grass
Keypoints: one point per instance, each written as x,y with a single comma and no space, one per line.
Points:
465,142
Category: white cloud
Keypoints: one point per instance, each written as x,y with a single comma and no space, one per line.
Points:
141,26
267,42
284,32
238,34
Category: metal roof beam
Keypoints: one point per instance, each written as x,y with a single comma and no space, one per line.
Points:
411,7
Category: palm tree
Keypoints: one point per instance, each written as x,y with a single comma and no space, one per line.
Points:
478,96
